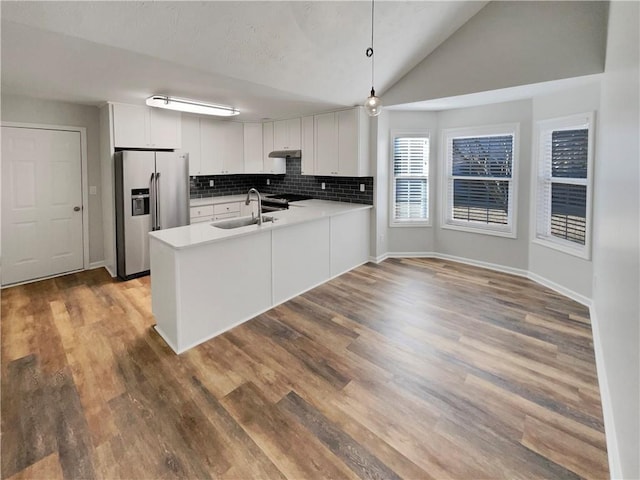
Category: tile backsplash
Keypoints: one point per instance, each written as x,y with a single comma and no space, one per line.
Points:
342,189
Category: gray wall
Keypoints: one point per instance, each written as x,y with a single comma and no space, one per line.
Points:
616,255
49,112
508,44
507,252
406,239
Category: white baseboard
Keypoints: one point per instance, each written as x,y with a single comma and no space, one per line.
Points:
615,468
453,258
94,265
520,272
379,258
478,263
586,301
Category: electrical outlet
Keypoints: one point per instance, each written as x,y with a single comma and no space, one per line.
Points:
211,183
362,187
268,181
322,185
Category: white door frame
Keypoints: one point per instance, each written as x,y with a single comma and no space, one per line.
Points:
84,174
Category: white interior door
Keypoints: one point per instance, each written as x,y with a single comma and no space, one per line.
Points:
41,203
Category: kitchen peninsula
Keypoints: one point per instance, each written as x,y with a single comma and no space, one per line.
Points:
206,280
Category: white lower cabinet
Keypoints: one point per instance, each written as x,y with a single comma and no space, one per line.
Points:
301,258
349,240
231,208
202,290
218,210
201,214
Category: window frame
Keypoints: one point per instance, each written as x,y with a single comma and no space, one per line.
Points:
510,230
543,128
409,222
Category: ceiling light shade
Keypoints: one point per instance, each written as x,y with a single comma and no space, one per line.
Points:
373,104
191,106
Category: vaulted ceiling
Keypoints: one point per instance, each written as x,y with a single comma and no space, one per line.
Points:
269,59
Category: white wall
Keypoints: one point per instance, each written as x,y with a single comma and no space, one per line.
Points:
380,143
569,271
507,252
616,254
508,44
49,112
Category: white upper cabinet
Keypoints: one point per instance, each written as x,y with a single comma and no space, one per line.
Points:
135,126
221,145
270,165
308,150
164,128
348,143
253,158
191,142
326,144
286,134
342,143
130,126
211,142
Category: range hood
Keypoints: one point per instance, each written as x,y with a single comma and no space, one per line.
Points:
286,154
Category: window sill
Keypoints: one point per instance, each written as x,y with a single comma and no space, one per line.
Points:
410,224
480,230
564,247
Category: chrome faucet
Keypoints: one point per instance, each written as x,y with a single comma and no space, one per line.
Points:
248,201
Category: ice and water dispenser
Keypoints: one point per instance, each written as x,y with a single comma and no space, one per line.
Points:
139,202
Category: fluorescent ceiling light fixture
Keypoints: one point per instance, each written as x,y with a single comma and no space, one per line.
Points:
191,106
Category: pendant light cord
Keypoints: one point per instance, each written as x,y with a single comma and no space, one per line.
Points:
372,58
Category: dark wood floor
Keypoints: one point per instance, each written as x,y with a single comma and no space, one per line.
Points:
414,369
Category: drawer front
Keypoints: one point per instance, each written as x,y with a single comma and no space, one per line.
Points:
203,211
201,219
226,208
220,216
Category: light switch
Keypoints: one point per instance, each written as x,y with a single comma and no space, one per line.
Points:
322,186
93,190
211,183
362,187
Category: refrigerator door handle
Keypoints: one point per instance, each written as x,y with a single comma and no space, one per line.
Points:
153,201
158,202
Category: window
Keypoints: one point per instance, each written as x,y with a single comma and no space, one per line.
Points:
480,179
410,180
563,183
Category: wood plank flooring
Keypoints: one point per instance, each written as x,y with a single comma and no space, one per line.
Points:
413,368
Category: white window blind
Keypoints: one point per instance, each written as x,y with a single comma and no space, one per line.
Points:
480,180
410,190
562,202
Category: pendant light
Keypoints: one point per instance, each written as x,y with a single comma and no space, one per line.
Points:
372,105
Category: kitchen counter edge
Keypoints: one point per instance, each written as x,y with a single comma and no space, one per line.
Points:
304,211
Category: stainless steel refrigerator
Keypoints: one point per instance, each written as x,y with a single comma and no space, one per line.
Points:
152,193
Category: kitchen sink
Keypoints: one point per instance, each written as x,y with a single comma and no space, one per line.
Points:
240,222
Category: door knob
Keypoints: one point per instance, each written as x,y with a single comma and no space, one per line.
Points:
76,209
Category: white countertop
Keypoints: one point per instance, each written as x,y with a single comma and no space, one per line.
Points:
198,202
299,212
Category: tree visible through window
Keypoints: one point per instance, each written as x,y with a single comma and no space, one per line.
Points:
480,180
